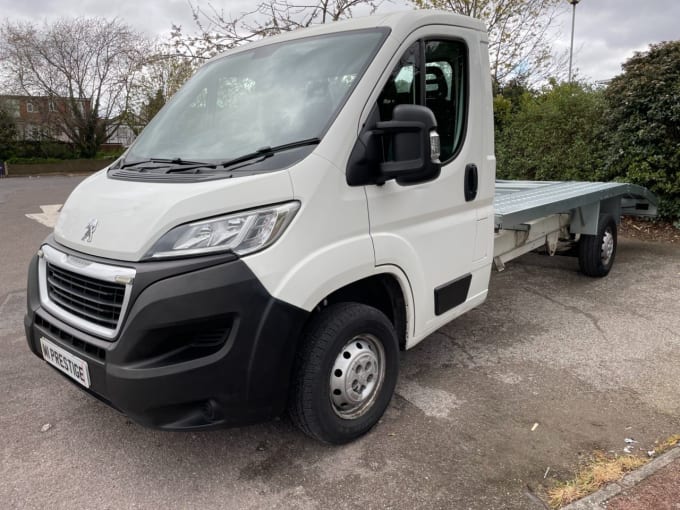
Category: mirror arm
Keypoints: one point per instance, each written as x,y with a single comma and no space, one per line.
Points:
392,170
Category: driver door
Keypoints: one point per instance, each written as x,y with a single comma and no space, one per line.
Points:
429,229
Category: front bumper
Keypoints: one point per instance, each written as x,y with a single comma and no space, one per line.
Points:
202,344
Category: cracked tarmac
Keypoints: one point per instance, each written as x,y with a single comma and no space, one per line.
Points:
590,360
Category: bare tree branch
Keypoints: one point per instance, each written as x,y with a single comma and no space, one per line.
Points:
518,44
219,31
88,61
156,81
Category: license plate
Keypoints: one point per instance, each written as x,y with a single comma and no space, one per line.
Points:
71,365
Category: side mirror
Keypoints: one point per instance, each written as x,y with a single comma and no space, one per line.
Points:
405,148
412,144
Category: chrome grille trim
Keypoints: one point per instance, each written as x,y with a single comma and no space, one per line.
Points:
90,296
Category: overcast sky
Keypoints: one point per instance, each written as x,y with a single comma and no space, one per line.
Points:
607,31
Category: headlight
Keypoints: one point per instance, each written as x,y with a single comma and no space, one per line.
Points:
242,233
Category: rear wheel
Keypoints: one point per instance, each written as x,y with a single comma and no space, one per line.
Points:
346,373
596,253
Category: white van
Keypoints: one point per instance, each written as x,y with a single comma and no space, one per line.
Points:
303,209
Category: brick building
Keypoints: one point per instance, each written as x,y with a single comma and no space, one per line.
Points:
37,117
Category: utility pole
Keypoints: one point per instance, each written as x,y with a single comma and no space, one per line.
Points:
573,22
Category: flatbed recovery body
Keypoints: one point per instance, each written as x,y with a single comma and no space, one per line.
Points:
519,201
538,214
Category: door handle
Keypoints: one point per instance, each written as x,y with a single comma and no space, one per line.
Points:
471,182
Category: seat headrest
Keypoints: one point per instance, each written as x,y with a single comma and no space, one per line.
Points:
435,83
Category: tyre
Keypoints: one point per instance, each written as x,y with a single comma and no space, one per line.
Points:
596,253
345,373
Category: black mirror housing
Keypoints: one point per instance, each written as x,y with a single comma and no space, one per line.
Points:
410,144
397,149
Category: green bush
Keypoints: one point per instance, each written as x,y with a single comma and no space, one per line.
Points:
33,161
553,134
644,124
8,135
628,132
110,154
43,149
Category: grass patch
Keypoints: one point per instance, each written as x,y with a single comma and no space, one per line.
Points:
600,470
596,473
666,445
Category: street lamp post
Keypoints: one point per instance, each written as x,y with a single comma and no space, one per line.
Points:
573,22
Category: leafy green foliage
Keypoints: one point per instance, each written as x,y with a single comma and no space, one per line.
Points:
152,106
33,161
13,149
8,135
553,134
113,153
44,149
644,124
628,132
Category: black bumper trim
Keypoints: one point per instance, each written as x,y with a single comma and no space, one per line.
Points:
203,345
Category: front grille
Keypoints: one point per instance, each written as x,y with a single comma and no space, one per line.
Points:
96,301
65,337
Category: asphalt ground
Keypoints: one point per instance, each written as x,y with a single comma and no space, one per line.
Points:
590,361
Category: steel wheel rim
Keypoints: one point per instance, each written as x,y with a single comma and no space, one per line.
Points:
357,376
607,249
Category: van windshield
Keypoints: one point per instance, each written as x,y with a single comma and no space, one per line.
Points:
270,96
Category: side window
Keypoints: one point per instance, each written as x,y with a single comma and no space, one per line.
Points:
402,87
445,85
446,91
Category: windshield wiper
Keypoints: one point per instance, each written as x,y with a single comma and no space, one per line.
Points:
179,165
176,161
267,152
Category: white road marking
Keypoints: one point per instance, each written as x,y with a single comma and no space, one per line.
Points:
431,401
48,216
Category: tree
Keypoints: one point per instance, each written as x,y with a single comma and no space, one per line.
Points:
152,106
644,121
8,135
517,29
555,134
219,31
159,78
89,62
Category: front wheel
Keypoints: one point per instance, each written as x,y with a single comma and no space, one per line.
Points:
596,253
345,373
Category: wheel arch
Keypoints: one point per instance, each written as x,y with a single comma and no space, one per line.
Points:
387,291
